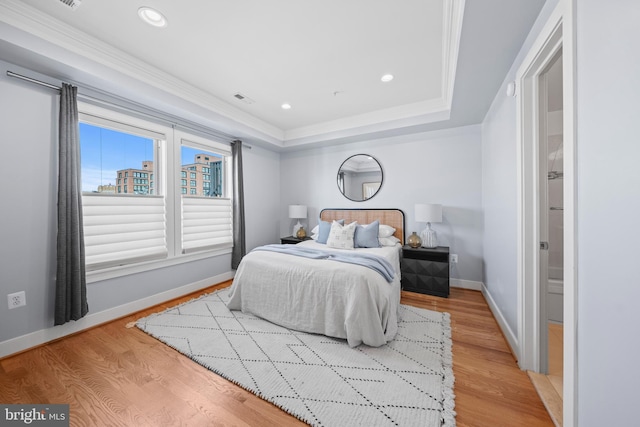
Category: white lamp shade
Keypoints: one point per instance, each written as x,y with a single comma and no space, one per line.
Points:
297,211
428,213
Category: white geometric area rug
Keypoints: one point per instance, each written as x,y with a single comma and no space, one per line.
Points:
320,380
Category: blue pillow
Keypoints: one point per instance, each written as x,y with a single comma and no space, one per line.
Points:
324,228
367,236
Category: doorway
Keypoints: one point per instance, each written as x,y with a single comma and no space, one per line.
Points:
555,41
551,225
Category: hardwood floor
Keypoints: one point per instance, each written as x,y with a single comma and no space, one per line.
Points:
114,375
556,356
549,387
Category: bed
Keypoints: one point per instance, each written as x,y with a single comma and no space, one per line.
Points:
324,296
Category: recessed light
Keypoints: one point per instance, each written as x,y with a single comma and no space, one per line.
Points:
152,17
286,106
387,78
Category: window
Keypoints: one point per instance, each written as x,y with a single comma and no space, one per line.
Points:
148,217
206,177
206,214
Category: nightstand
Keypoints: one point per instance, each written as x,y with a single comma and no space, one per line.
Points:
425,270
290,240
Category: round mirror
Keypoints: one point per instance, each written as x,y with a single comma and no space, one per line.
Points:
360,177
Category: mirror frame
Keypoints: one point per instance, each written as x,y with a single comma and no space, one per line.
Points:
341,189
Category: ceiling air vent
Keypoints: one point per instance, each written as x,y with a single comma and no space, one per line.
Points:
243,98
73,4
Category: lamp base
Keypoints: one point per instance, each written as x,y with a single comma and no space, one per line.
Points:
429,237
296,227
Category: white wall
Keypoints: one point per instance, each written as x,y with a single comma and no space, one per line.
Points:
608,206
28,172
436,167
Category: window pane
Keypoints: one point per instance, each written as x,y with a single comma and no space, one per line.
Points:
202,166
108,154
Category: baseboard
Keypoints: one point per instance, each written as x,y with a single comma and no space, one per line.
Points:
511,338
33,339
465,284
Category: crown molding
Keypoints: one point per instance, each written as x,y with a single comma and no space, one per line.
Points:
451,34
417,113
45,27
36,23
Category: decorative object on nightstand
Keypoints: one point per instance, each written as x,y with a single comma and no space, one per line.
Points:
301,233
428,213
298,212
425,270
414,240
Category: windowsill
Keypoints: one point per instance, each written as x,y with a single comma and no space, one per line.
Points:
141,267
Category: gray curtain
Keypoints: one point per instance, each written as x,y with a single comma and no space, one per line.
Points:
71,282
239,245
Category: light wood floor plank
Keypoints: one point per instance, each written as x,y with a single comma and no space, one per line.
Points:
113,375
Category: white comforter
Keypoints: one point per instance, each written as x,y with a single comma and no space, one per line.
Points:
320,296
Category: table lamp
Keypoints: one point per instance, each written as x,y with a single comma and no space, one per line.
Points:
428,213
298,212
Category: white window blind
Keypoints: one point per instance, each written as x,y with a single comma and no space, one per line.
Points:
206,223
123,229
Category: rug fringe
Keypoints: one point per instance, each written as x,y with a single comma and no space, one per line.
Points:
448,404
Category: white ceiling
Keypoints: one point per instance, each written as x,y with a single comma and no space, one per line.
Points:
324,58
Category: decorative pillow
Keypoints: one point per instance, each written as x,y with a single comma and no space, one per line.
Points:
386,231
366,236
324,228
388,241
341,236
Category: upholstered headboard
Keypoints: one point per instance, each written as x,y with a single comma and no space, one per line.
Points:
392,217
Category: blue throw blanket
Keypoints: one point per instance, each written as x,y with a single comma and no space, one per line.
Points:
373,262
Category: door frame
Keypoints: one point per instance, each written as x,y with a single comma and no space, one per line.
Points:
557,33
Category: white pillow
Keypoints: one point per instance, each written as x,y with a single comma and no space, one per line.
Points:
315,230
388,241
341,236
386,231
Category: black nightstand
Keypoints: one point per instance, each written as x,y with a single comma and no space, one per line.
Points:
425,270
290,240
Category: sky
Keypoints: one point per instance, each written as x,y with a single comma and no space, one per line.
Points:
104,151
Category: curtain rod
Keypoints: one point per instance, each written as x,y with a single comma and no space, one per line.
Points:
29,79
54,87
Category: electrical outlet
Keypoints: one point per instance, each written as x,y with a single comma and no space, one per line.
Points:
16,299
453,258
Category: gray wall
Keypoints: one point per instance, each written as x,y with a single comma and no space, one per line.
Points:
28,171
27,218
608,151
608,202
499,191
436,167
